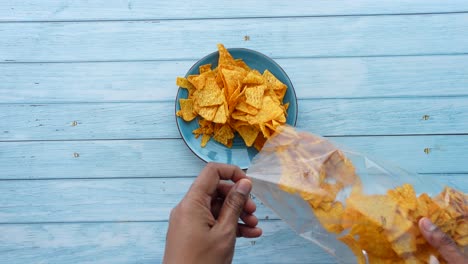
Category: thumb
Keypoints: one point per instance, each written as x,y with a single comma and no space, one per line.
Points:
234,204
441,242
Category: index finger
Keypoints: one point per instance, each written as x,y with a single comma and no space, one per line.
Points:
208,179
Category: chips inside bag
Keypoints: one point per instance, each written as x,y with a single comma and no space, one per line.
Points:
356,209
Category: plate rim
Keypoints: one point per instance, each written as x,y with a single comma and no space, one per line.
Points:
217,52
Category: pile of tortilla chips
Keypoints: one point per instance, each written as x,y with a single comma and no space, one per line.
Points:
233,98
384,226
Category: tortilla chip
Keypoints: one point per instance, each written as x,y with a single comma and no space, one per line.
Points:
225,57
208,113
254,96
223,135
331,219
353,245
232,80
204,140
221,115
248,133
253,77
186,110
204,68
184,83
272,82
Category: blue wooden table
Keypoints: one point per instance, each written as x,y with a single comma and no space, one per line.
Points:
91,161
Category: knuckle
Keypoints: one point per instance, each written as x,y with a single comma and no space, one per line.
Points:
174,213
211,165
182,207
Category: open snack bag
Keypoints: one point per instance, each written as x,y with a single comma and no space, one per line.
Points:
354,208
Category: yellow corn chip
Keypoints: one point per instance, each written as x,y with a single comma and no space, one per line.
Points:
280,93
254,96
248,133
265,131
242,64
224,135
246,108
240,116
232,81
224,57
253,77
235,99
184,83
204,68
404,244
221,115
259,142
208,113
210,95
353,245
331,219
379,209
339,168
204,140
405,196
272,82
198,81
269,111
186,110
374,242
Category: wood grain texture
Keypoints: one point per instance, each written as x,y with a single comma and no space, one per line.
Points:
187,39
157,119
32,10
170,157
139,243
119,200
311,77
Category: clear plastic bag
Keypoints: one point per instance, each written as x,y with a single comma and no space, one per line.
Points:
356,209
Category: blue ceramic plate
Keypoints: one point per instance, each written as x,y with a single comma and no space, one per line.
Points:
239,154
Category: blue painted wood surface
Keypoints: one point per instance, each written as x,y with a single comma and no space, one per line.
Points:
188,39
88,142
398,76
53,10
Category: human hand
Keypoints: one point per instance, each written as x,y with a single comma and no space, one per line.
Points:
442,242
203,227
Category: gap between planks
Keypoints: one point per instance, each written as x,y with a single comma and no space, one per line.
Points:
156,20
273,57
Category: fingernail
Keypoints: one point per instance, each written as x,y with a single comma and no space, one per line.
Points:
428,225
244,186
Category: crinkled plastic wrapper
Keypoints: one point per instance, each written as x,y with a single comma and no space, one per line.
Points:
356,209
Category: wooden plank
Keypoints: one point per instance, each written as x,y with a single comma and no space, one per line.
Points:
139,243
384,116
105,200
156,119
79,121
312,78
168,40
170,157
30,10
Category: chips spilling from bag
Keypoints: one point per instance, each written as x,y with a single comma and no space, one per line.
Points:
233,98
379,228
